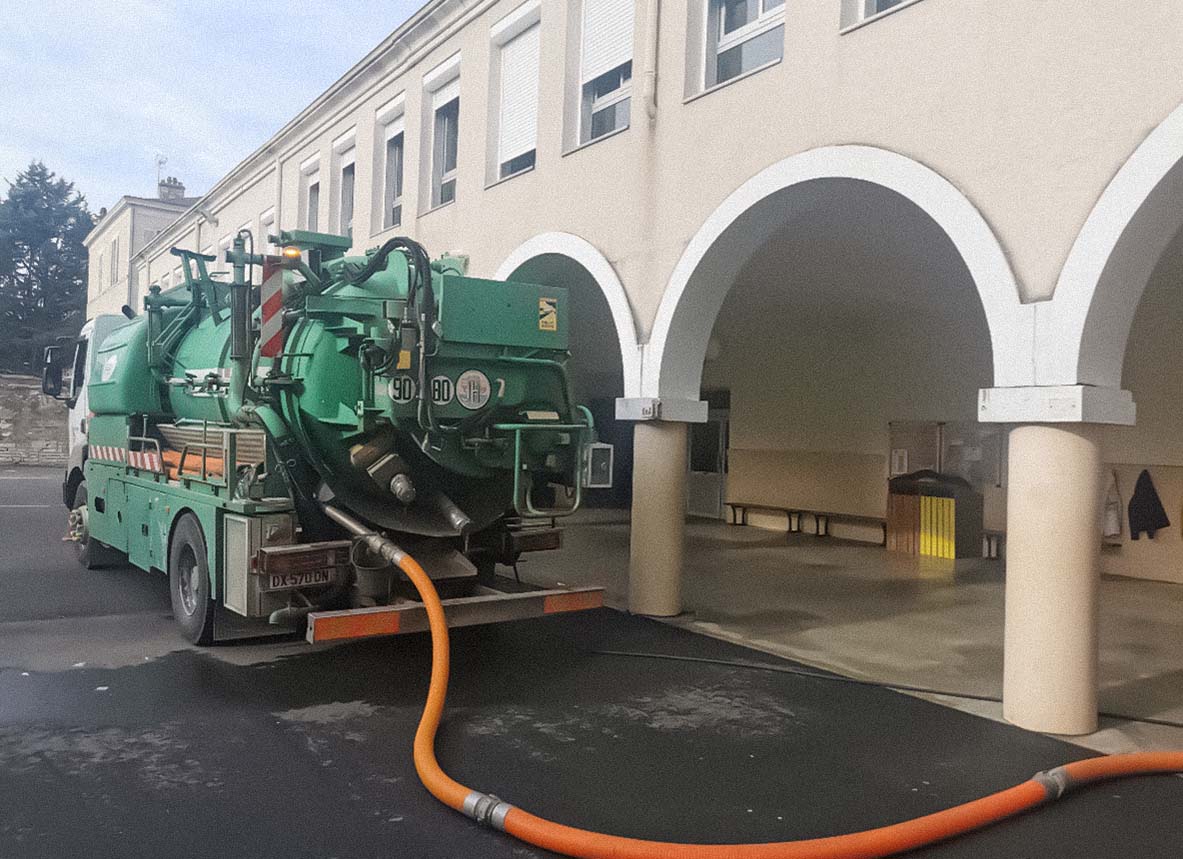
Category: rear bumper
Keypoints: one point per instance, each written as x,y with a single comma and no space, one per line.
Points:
488,606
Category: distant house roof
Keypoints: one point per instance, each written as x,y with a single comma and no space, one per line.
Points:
177,206
180,203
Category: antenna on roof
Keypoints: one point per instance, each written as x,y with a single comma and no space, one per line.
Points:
160,162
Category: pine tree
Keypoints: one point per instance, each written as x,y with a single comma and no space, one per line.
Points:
43,221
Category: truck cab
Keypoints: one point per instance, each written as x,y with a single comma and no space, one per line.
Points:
67,367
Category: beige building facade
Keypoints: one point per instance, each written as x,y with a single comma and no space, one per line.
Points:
810,225
115,245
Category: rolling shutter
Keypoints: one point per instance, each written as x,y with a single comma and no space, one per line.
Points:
519,94
607,36
445,94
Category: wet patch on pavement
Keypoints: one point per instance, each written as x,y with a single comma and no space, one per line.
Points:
308,755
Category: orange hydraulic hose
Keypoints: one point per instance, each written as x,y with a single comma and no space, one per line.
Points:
870,844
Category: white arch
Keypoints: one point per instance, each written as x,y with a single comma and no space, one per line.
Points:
1082,331
695,293
596,264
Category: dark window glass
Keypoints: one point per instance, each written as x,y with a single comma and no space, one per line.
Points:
314,206
446,149
394,181
348,175
737,13
516,165
750,54
610,118
606,103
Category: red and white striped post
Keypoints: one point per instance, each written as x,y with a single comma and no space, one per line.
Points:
271,313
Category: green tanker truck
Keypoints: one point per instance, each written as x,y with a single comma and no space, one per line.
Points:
244,439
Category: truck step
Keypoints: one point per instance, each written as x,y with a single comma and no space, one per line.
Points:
488,606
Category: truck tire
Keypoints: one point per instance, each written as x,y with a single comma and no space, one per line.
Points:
188,581
91,553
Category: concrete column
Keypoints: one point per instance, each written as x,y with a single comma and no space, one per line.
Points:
658,518
1053,543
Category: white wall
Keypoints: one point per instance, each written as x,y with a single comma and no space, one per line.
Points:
1153,371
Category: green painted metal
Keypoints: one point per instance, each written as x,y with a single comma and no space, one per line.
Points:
123,383
493,313
475,409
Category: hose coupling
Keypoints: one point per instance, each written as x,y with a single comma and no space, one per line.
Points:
1056,782
486,809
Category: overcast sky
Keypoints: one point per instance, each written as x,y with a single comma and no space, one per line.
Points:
96,89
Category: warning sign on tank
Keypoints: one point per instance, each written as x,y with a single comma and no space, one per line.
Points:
473,389
402,389
442,390
548,314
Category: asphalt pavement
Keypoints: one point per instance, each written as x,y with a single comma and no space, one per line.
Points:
117,739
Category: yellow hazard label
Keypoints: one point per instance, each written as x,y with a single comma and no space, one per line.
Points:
404,359
548,314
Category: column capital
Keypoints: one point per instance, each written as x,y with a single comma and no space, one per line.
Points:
1055,404
671,409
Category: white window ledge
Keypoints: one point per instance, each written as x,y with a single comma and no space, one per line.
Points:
436,208
716,87
585,144
504,179
850,28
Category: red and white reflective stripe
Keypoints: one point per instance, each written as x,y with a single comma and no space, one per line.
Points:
271,330
146,459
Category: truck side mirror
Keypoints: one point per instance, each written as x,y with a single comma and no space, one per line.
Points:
51,373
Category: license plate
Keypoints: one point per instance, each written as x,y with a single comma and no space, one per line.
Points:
301,579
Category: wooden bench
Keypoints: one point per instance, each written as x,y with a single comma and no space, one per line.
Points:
821,518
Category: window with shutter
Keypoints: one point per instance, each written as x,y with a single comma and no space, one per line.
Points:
518,130
605,67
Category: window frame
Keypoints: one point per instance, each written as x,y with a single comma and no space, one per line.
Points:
312,204
587,103
266,228
394,188
855,13
347,170
763,22
444,126
717,42
441,87
591,104
309,181
342,178
523,22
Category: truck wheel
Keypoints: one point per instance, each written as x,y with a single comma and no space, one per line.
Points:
188,581
91,553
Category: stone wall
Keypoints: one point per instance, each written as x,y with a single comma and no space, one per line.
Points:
32,425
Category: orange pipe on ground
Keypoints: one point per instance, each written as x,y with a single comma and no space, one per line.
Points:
870,844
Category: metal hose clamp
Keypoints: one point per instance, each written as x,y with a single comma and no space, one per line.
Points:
1056,782
486,809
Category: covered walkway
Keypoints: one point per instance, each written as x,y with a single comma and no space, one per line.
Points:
857,610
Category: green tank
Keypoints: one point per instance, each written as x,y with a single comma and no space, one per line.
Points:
424,400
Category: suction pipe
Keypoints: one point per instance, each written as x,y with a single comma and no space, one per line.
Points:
884,841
